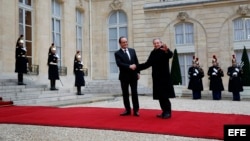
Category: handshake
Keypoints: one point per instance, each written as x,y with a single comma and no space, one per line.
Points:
132,67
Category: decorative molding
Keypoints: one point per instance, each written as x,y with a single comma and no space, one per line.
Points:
79,6
243,10
182,16
61,1
116,5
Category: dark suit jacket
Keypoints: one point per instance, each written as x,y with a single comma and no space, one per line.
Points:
123,63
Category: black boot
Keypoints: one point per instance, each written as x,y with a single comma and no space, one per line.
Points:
79,90
20,79
53,85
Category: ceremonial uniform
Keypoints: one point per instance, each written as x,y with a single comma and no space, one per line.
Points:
21,62
215,74
53,73
195,79
79,74
235,82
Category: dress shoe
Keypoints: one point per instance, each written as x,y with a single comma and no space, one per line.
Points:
159,115
166,116
136,114
21,83
79,94
53,89
125,113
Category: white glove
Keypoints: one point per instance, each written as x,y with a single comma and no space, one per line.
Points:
194,74
51,63
215,70
196,71
235,74
236,69
213,73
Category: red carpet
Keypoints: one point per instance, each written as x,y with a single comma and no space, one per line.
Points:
182,123
5,103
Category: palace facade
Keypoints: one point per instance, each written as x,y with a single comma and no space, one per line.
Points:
194,27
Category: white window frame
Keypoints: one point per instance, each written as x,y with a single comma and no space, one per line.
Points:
79,31
56,17
183,33
117,26
244,32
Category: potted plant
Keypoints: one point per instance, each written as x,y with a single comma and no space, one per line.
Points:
246,73
176,74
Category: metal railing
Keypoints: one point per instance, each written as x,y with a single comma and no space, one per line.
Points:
33,69
62,71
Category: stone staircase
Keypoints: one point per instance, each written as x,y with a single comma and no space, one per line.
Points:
37,94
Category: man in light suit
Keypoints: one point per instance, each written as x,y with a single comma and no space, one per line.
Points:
126,60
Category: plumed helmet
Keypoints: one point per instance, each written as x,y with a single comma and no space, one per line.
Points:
193,61
214,59
21,41
78,56
53,49
197,61
233,59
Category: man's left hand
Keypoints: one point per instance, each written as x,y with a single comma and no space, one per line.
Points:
164,48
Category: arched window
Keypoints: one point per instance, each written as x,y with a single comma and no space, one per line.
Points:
117,26
184,34
184,41
241,29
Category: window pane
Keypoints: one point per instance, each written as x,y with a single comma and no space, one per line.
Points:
58,40
113,45
28,17
21,30
238,30
112,33
123,31
179,37
248,29
189,33
21,15
122,18
113,19
28,2
79,32
113,68
28,33
57,26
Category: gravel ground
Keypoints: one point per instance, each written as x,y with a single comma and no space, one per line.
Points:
12,132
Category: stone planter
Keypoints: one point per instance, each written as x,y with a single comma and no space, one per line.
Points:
178,90
246,92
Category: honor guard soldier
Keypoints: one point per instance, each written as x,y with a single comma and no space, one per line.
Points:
79,74
53,68
215,74
196,74
235,82
21,61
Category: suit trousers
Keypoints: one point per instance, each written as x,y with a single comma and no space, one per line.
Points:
125,94
165,105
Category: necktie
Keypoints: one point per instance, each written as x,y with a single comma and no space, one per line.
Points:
126,52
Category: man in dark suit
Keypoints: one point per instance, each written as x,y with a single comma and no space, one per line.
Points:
162,84
126,60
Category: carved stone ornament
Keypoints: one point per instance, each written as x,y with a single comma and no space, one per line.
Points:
116,5
243,10
80,6
182,16
61,1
